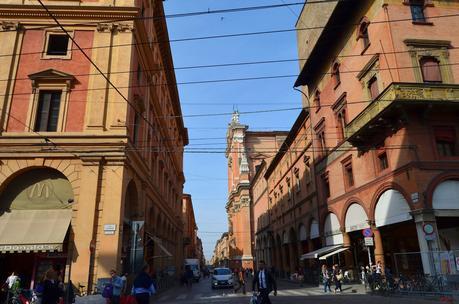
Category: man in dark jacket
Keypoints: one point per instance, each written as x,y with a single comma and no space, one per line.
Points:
264,282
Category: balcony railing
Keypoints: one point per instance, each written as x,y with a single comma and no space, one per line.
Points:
402,93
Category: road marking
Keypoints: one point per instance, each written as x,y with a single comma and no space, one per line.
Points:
181,297
296,292
164,298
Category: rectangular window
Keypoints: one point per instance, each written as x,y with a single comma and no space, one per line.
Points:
57,45
136,133
325,186
445,141
417,11
383,162
373,87
348,175
322,143
341,123
48,111
430,68
139,73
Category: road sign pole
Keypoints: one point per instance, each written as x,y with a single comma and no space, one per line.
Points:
369,256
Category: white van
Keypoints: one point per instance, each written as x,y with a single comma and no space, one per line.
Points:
195,266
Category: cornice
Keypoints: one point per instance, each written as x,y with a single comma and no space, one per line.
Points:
68,12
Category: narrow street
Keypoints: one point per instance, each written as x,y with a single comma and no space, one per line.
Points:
288,293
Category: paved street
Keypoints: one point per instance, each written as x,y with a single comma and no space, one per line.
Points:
288,293
201,293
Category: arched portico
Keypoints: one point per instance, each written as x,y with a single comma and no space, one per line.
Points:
35,215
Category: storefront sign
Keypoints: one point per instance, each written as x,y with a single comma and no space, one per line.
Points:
367,232
109,229
31,248
369,241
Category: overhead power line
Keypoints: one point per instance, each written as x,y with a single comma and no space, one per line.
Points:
246,63
221,36
210,81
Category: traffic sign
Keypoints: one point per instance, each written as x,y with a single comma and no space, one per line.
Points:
369,241
428,229
367,232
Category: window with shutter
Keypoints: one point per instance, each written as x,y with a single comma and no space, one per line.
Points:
363,33
336,77
445,141
417,10
48,111
430,68
373,87
317,100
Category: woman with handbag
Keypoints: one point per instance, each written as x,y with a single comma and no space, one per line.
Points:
337,277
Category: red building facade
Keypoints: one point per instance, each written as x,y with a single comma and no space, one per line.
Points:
379,81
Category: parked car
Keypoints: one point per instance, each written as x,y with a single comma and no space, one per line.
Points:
222,277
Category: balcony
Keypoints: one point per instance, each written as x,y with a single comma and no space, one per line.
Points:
388,111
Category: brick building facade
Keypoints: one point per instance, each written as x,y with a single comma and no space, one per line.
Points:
381,93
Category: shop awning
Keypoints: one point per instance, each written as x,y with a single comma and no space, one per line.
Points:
320,252
324,257
33,230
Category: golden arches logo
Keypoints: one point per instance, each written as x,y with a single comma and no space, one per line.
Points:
39,192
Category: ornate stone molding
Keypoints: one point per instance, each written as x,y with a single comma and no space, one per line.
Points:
403,93
419,48
9,26
22,12
104,27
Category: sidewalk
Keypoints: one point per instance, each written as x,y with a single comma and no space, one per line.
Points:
347,288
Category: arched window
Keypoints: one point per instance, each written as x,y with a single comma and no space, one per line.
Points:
430,68
317,99
363,33
336,78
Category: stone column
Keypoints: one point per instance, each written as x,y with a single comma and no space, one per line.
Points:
347,254
427,242
292,254
96,110
112,212
85,245
378,246
11,35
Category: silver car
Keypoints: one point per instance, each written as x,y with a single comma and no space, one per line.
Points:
222,277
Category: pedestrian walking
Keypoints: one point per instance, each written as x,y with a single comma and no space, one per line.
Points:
13,284
326,278
189,276
337,277
51,290
240,281
265,283
143,286
117,287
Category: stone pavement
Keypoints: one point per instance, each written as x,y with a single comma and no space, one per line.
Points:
289,293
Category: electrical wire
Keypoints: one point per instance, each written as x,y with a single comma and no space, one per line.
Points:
237,34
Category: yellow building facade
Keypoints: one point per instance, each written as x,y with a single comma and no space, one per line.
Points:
90,179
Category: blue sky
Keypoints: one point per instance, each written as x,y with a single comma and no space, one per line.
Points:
206,174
